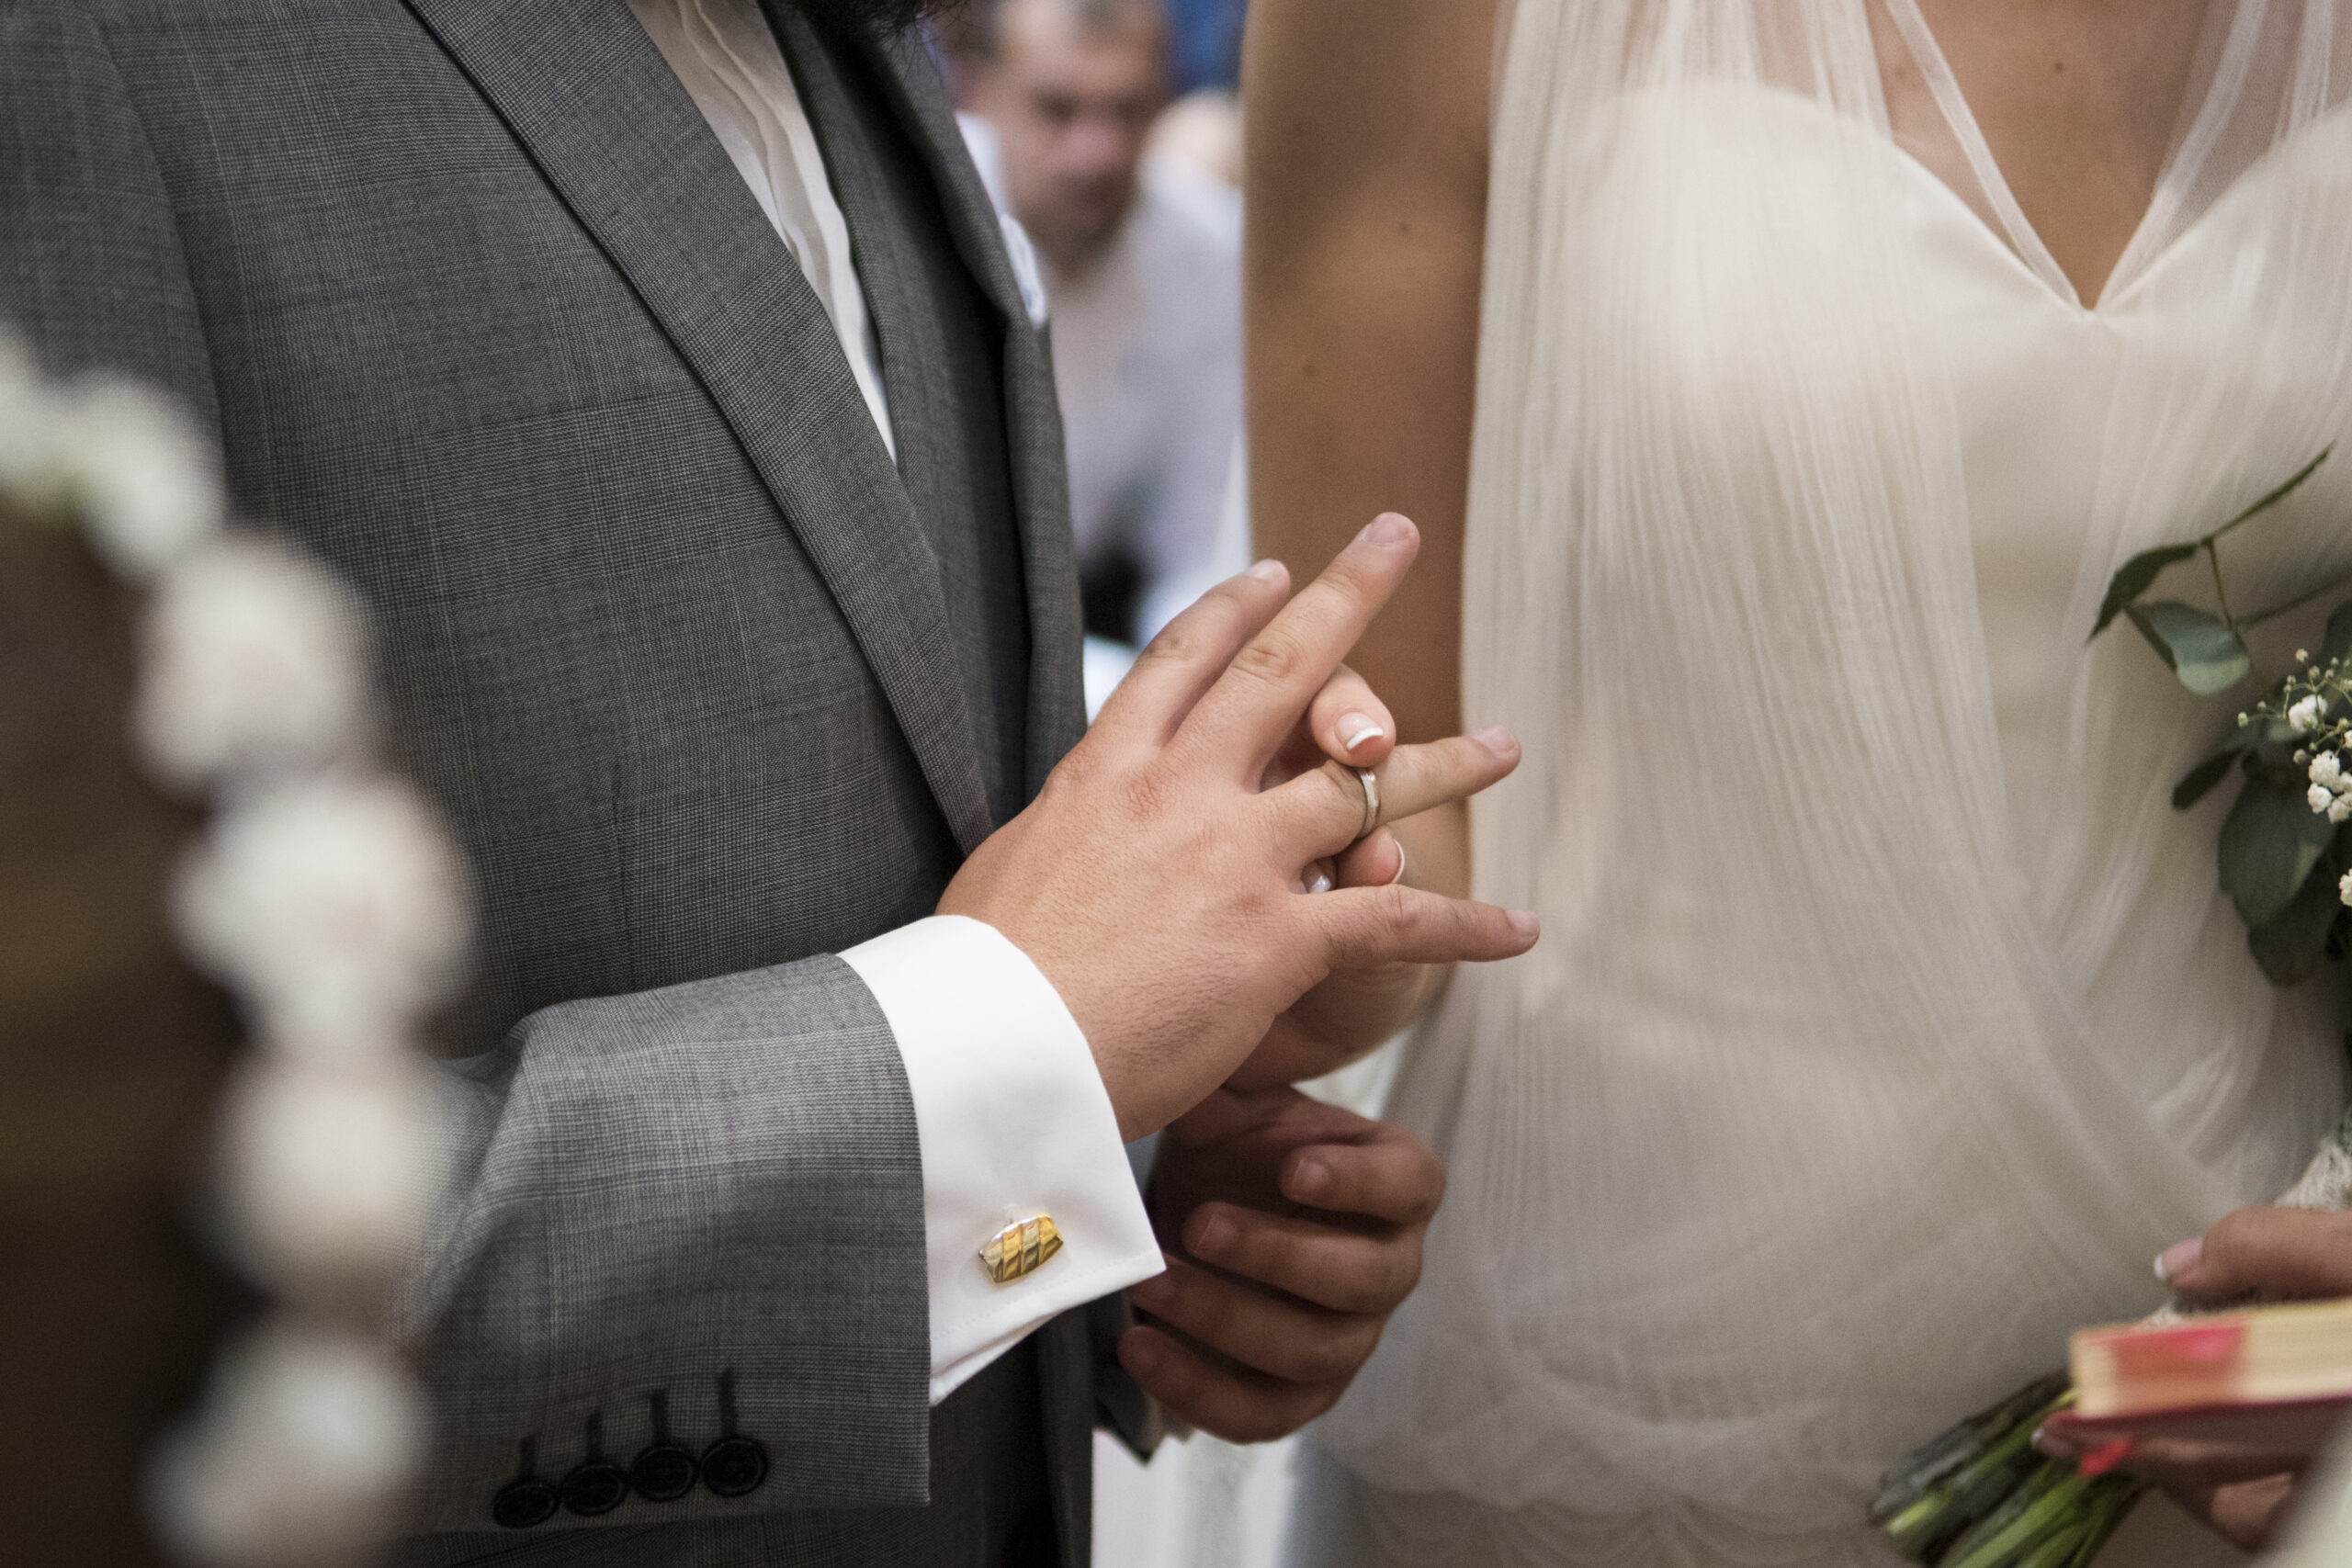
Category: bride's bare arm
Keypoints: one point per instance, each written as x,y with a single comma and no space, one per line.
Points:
1367,186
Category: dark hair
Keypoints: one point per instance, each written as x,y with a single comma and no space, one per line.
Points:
876,16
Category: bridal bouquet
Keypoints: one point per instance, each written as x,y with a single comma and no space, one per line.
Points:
1979,1495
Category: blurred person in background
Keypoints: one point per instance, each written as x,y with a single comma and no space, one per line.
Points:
1203,125
1139,258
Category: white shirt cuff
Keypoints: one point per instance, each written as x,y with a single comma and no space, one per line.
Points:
1015,1123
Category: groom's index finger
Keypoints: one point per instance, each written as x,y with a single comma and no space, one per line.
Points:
1272,680
1190,652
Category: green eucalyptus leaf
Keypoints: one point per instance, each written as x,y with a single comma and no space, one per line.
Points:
2290,946
2271,843
2199,782
2336,641
2205,654
2273,497
2134,578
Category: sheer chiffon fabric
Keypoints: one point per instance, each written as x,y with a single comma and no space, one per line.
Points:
1887,1019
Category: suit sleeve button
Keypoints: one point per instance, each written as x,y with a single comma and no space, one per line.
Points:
522,1503
595,1487
733,1466
662,1473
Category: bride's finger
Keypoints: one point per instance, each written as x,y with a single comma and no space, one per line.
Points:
1374,863
1349,723
1326,809
1237,1405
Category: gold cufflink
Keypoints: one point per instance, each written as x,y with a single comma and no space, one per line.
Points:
1021,1249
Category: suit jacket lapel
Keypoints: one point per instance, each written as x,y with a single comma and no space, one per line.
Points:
1032,413
616,135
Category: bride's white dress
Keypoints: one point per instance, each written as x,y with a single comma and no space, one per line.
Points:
1888,1020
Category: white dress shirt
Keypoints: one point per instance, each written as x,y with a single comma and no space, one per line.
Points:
1009,1107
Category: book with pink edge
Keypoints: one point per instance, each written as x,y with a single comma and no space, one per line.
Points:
2276,1379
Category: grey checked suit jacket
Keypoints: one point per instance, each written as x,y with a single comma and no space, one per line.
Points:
708,688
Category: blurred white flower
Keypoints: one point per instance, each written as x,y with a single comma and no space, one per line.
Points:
2327,772
2344,887
298,1458
2340,808
252,658
2320,797
335,906
2304,717
124,459
327,1175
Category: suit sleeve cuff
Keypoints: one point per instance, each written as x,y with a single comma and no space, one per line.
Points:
1015,1123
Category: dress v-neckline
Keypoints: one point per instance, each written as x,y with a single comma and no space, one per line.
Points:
2132,264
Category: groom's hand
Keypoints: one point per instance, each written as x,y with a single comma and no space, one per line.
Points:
1294,1228
1156,879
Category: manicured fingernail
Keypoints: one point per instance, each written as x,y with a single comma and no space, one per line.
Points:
1216,1235
1400,864
1387,531
1322,883
1355,729
1525,924
1311,1179
1498,741
1153,1293
1268,570
2179,1259
2046,1441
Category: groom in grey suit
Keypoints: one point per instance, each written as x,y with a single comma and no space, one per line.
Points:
713,530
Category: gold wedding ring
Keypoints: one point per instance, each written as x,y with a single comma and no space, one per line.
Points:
1370,803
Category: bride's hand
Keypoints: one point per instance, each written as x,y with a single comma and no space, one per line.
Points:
1353,1011
2276,1255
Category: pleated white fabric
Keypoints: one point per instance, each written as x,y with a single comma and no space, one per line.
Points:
1887,1019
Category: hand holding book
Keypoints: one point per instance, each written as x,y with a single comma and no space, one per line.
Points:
1978,1495
2227,1411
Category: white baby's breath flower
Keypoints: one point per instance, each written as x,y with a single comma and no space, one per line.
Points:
251,659
2304,717
2327,771
335,906
2320,797
2344,887
326,1174
2340,808
299,1458
128,463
